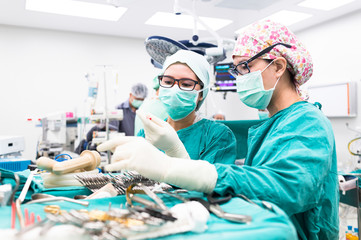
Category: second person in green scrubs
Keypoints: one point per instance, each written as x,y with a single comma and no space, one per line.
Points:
184,86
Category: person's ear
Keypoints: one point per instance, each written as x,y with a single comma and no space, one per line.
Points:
281,64
200,97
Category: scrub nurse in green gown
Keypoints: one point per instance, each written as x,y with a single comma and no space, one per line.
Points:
184,85
291,157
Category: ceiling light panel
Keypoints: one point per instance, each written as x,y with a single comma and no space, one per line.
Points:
76,8
246,4
288,17
185,21
285,17
324,4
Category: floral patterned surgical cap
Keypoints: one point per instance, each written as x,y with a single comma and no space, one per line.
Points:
265,33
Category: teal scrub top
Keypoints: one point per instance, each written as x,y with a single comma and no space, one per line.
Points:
291,161
208,140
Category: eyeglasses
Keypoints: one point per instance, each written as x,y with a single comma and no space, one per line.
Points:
184,84
243,68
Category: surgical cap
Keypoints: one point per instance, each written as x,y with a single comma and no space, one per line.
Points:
155,83
265,33
139,90
197,63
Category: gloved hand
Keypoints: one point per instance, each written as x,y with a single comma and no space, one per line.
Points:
162,135
135,153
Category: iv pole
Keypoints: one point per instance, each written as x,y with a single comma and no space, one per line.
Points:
106,110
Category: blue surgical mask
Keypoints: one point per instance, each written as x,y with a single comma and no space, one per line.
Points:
251,90
263,115
136,103
178,103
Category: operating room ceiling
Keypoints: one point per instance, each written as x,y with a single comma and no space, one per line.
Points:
132,23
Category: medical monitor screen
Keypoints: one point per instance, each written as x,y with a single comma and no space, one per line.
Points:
224,80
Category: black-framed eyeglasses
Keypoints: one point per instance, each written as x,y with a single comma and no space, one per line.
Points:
243,68
184,84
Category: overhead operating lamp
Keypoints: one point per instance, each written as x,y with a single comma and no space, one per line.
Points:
159,47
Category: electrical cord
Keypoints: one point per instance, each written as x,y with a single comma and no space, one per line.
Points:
349,147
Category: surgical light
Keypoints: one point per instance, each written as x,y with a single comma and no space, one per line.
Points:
76,8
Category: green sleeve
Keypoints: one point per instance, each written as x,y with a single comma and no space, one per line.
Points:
290,170
220,146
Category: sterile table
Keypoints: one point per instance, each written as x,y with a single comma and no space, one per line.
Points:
266,224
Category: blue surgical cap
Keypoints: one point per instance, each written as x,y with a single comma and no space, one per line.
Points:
197,63
139,90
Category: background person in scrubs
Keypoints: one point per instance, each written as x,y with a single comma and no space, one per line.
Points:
291,158
184,84
137,95
219,116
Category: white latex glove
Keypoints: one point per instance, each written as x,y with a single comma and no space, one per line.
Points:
162,135
135,153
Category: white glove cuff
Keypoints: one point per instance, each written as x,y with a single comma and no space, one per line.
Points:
197,175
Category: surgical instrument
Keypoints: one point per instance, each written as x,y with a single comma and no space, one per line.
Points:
121,182
15,207
212,206
25,189
87,161
41,197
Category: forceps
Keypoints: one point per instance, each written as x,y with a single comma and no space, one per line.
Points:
212,205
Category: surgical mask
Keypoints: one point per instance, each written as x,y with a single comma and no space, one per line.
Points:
136,103
263,115
178,103
251,90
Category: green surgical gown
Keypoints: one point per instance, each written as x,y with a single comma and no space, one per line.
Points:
291,161
208,140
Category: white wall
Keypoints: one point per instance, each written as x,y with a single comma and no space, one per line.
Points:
335,48
230,106
42,72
